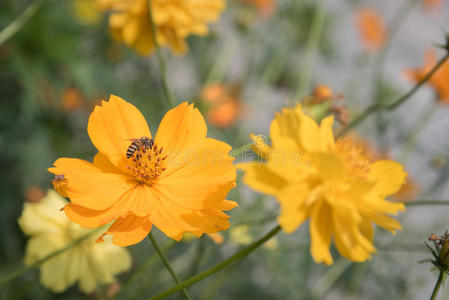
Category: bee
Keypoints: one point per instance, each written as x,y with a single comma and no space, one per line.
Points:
143,142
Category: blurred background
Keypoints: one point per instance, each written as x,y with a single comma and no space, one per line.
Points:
260,56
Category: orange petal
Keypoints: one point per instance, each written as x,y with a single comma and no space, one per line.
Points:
174,220
138,201
112,125
90,186
129,230
181,133
90,218
204,181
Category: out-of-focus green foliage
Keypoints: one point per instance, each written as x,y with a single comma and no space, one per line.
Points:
55,56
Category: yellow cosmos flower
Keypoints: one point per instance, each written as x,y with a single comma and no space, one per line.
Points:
330,182
177,181
86,262
175,20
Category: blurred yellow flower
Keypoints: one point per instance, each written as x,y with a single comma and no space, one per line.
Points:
87,11
372,29
330,182
177,181
240,235
175,20
86,262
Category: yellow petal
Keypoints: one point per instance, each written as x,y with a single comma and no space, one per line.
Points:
327,133
293,209
259,177
329,166
112,125
310,135
44,216
321,233
284,129
388,175
348,238
90,186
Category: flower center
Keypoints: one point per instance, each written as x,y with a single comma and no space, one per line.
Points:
353,155
146,160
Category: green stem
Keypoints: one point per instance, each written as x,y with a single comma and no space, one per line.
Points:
24,269
222,62
168,266
160,57
436,289
393,105
146,265
394,26
20,21
313,41
328,280
234,258
427,202
410,140
240,150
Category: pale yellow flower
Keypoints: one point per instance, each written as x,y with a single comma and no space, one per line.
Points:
240,235
175,20
87,262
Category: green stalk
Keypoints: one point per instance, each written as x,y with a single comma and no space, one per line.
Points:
328,280
160,57
394,26
146,265
20,21
427,202
11,276
436,289
393,105
167,265
313,41
234,258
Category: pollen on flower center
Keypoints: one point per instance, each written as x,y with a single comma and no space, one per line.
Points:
147,163
353,156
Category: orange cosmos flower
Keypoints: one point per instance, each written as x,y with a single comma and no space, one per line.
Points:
439,81
177,181
372,29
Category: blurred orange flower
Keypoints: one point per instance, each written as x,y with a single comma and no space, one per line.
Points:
430,4
372,29
322,93
174,20
72,99
224,108
439,81
177,181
